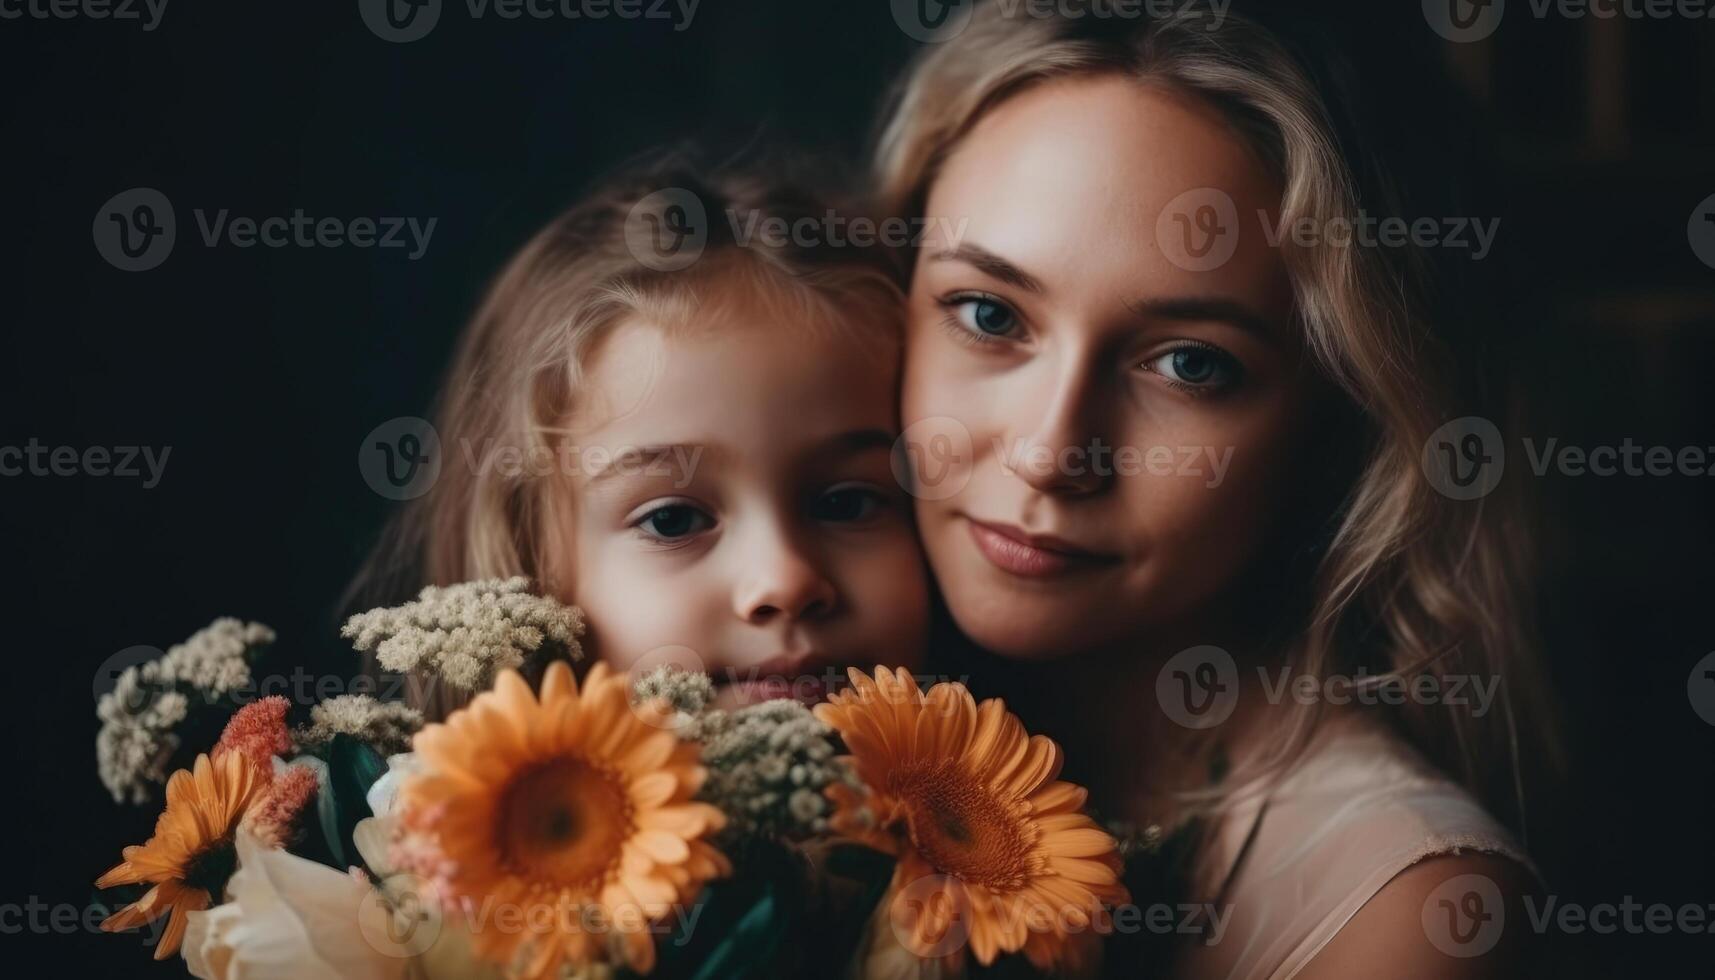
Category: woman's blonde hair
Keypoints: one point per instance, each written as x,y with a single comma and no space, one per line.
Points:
1406,580
514,379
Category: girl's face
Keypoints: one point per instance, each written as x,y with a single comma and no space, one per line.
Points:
735,507
1131,415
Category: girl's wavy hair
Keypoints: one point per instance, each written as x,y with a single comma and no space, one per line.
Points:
1404,580
516,373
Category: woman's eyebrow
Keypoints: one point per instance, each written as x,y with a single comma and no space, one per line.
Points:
989,264
1207,309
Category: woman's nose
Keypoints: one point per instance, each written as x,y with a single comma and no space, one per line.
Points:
1061,453
783,583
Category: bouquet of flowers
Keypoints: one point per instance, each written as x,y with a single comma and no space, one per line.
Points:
593,826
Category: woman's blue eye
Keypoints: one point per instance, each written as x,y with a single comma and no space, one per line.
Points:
674,521
1196,366
846,504
986,316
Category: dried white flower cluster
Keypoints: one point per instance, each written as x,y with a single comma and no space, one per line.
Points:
687,692
467,633
768,765
385,725
150,700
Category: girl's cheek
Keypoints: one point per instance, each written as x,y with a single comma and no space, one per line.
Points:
894,588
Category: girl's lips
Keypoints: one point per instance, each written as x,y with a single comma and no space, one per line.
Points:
1017,552
807,677
738,694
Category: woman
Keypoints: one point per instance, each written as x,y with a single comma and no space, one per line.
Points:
1170,427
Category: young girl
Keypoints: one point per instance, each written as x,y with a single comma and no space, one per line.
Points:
686,431
1277,658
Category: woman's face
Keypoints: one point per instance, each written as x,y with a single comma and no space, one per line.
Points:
1102,416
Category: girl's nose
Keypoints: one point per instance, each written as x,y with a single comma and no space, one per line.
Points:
783,584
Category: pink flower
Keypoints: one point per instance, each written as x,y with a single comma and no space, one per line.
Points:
258,731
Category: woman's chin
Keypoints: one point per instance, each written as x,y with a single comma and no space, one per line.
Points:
1022,631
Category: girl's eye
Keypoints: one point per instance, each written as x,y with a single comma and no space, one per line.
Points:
1197,366
847,504
984,315
674,521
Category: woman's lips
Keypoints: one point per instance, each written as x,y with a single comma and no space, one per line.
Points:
1018,552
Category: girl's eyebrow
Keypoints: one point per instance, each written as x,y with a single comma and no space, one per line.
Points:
626,461
989,264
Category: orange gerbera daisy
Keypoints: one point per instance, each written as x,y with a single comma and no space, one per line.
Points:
984,832
192,853
547,815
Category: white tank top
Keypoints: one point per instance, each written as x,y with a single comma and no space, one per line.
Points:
1292,866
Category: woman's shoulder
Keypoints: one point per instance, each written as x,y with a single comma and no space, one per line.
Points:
1291,864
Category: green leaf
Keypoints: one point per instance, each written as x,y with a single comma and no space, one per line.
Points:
352,769
743,924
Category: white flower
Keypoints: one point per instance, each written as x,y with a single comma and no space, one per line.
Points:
768,764
289,918
468,633
385,791
292,919
387,726
140,715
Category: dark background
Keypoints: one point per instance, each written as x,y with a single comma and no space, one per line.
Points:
264,368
